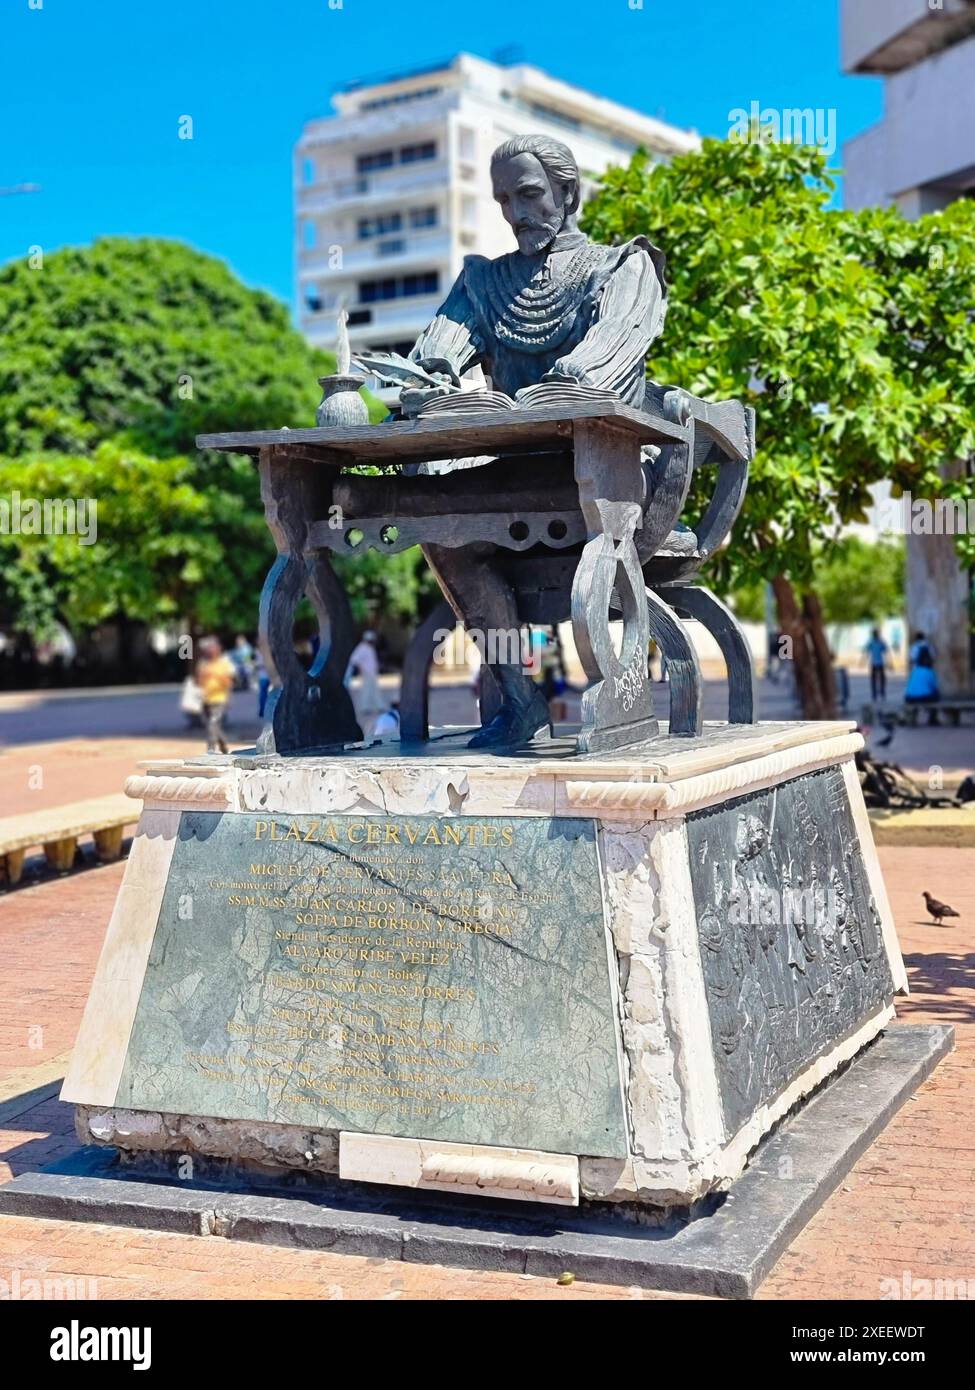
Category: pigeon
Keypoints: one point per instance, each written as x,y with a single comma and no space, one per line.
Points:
889,727
938,910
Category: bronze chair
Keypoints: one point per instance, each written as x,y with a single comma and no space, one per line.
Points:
530,507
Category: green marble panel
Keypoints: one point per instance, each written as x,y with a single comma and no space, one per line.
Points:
440,978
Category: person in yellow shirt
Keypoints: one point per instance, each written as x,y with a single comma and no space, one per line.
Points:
215,677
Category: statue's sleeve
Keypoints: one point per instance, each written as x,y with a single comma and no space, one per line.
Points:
629,314
451,335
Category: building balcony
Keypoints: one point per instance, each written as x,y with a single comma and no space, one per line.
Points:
887,36
364,128
917,146
384,319
379,255
370,190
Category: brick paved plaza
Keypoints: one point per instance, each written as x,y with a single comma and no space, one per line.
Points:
906,1212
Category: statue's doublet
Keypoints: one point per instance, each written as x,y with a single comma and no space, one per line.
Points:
531,307
521,316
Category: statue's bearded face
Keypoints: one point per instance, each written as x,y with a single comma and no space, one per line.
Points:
533,206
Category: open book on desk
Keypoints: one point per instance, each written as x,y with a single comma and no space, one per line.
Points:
547,394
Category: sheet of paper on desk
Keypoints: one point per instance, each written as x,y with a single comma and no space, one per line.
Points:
391,367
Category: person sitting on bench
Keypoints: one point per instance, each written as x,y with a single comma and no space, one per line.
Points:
922,684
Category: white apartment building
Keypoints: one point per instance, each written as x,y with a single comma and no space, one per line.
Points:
920,158
394,190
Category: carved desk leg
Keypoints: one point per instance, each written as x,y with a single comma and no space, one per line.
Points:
305,709
617,709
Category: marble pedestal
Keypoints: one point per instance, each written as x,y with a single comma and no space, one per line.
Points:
544,977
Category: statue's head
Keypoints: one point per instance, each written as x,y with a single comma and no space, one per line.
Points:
536,185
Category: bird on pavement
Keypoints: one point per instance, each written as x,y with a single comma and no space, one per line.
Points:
938,910
890,728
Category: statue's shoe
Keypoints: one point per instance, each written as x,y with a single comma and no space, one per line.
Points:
514,726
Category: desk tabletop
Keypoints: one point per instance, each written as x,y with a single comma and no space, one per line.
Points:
534,429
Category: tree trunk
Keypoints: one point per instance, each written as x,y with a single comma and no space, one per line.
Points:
938,588
808,650
816,628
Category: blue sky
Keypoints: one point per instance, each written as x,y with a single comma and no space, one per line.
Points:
92,92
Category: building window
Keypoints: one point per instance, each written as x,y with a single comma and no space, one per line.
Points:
380,225
399,287
423,217
313,299
403,347
359,316
372,290
378,159
378,102
412,154
395,247
468,210
467,143
308,170
309,234
427,283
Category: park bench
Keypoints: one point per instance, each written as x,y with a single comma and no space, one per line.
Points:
951,706
58,830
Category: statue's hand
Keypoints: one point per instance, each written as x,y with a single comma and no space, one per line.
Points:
413,398
562,376
440,368
554,376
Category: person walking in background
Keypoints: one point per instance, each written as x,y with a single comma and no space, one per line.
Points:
368,699
388,723
215,676
774,661
263,682
242,655
475,668
876,651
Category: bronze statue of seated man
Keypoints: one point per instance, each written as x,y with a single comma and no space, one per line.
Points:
561,308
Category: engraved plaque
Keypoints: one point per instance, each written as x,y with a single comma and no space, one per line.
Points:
404,975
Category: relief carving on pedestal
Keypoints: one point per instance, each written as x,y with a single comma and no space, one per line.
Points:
791,941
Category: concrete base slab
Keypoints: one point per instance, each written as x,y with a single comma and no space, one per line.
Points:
725,1251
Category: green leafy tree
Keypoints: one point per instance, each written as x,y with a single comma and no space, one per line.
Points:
850,334
165,549
860,582
149,339
113,358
